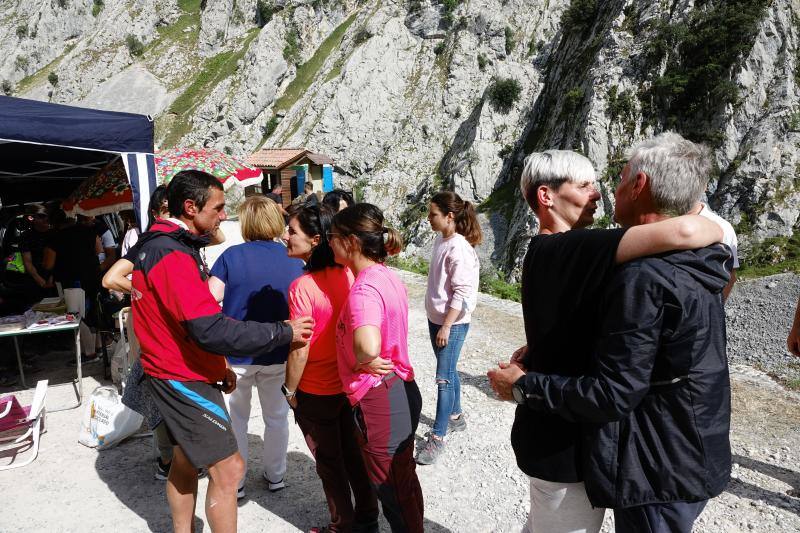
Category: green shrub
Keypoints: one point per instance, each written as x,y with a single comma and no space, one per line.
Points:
572,101
579,16
62,3
414,6
362,36
439,48
511,40
503,93
53,79
21,63
22,31
7,87
505,151
270,127
135,46
291,52
482,61
97,7
702,54
264,12
532,47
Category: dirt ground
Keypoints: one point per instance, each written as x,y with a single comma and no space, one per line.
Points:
476,486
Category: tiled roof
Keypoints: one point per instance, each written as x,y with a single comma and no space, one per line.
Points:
274,157
320,159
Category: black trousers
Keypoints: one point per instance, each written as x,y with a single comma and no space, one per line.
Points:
675,517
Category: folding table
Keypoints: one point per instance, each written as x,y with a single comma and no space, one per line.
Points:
72,326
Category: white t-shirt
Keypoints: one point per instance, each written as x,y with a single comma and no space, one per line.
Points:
233,235
131,236
729,235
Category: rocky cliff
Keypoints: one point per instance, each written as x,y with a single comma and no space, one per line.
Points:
414,95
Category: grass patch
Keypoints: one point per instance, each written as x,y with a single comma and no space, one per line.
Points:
410,264
40,76
775,255
213,71
190,6
308,70
492,283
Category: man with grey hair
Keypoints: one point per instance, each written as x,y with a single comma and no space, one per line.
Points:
563,277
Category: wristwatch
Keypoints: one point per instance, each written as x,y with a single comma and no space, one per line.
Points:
518,391
288,393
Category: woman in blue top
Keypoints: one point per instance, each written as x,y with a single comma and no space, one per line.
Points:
252,281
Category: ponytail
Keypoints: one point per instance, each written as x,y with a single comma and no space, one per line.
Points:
393,241
464,214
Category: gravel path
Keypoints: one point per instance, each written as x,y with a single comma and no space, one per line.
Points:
759,316
476,486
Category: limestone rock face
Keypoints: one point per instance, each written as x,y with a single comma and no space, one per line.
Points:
401,93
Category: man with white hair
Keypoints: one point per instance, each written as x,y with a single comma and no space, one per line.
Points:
653,402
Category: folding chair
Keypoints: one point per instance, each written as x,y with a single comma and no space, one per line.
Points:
21,427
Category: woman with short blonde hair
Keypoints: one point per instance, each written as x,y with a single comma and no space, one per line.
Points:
249,291
260,219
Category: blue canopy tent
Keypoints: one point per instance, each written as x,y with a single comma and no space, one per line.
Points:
46,150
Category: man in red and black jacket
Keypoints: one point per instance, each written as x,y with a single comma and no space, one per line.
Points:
184,337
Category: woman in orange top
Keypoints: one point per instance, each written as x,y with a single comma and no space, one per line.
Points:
313,388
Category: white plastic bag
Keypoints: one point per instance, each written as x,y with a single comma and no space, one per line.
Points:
106,421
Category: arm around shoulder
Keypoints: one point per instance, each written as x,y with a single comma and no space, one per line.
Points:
685,232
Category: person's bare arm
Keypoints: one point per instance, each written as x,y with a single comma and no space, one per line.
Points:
116,279
793,342
680,233
367,348
729,287
295,365
217,288
444,331
48,258
27,260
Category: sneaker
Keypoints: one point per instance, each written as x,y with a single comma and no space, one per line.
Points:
430,451
457,424
162,470
240,494
276,485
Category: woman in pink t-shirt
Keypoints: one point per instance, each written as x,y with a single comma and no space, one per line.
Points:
313,388
376,374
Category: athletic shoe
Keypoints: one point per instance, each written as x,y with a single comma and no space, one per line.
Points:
274,486
162,470
430,451
457,424
240,493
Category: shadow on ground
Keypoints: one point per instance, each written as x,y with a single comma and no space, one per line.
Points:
749,491
128,472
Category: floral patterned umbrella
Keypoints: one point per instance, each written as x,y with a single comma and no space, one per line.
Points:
108,191
224,167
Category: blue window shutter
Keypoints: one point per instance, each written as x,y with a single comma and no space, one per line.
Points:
327,178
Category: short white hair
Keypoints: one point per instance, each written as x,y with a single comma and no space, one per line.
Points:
677,168
552,168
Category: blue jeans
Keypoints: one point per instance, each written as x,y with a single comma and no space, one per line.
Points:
449,386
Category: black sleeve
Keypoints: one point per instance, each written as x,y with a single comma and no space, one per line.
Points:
222,335
624,357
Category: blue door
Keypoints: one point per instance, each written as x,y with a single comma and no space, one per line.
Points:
327,178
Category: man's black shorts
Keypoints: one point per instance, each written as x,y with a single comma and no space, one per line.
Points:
196,418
